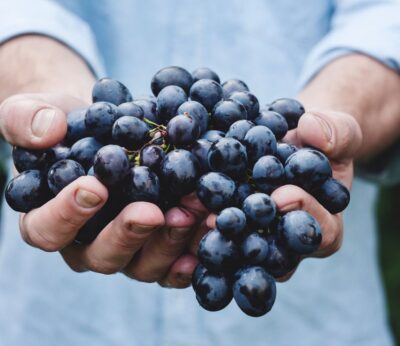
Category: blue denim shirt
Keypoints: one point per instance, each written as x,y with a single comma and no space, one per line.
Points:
276,47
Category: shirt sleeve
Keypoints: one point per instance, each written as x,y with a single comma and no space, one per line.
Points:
370,27
45,17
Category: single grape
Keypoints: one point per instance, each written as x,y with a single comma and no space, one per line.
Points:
63,173
225,113
183,130
130,132
239,129
268,173
152,156
145,97
130,109
228,155
243,191
196,110
84,150
260,210
232,85
249,101
213,135
172,75
60,152
307,168
198,272
168,101
76,128
111,164
27,159
254,291
333,195
274,121
284,150
142,184
200,150
99,119
149,108
179,172
259,141
231,222
218,253
300,231
110,90
204,73
291,110
207,92
216,191
254,249
27,191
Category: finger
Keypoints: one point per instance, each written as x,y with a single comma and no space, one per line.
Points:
290,197
199,233
36,120
192,203
118,242
211,221
55,224
162,250
180,274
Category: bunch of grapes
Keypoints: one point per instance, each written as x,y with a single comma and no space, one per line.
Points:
194,134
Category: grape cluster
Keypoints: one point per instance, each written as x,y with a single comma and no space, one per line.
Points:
194,134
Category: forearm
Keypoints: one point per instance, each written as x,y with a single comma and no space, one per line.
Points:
364,88
35,63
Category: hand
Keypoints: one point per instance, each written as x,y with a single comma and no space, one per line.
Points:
140,242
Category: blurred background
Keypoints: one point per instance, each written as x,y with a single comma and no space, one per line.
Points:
387,209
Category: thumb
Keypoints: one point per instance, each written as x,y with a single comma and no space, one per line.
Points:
36,120
336,134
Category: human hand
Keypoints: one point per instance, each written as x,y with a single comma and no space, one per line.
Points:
140,242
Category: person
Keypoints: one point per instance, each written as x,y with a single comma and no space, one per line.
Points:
341,60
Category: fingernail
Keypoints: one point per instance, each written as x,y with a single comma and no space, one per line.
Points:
42,121
290,207
141,229
184,278
179,233
87,199
324,125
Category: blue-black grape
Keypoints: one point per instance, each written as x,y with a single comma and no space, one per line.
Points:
216,191
149,108
243,190
27,159
200,150
172,75
249,101
99,119
76,128
260,210
254,249
231,222
239,129
291,110
152,156
204,73
333,195
254,291
196,110
168,101
232,85
130,132
274,121
183,130
83,151
111,164
207,92
130,109
142,184
27,191
259,141
213,135
63,173
226,112
110,90
60,152
284,150
268,173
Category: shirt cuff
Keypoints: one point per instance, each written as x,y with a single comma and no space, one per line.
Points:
43,17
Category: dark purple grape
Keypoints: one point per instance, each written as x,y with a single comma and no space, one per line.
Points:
207,92
200,150
110,90
254,291
183,130
76,128
27,191
279,260
152,156
225,113
198,272
84,150
204,73
232,85
27,159
62,173
216,191
249,101
172,75
196,110
274,121
60,152
145,97
259,141
291,110
254,249
130,132
333,195
149,109
228,156
231,222
239,129
218,253
300,231
213,135
243,191
307,168
142,184
111,164
179,172
284,150
168,101
268,174
260,210
130,109
99,119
